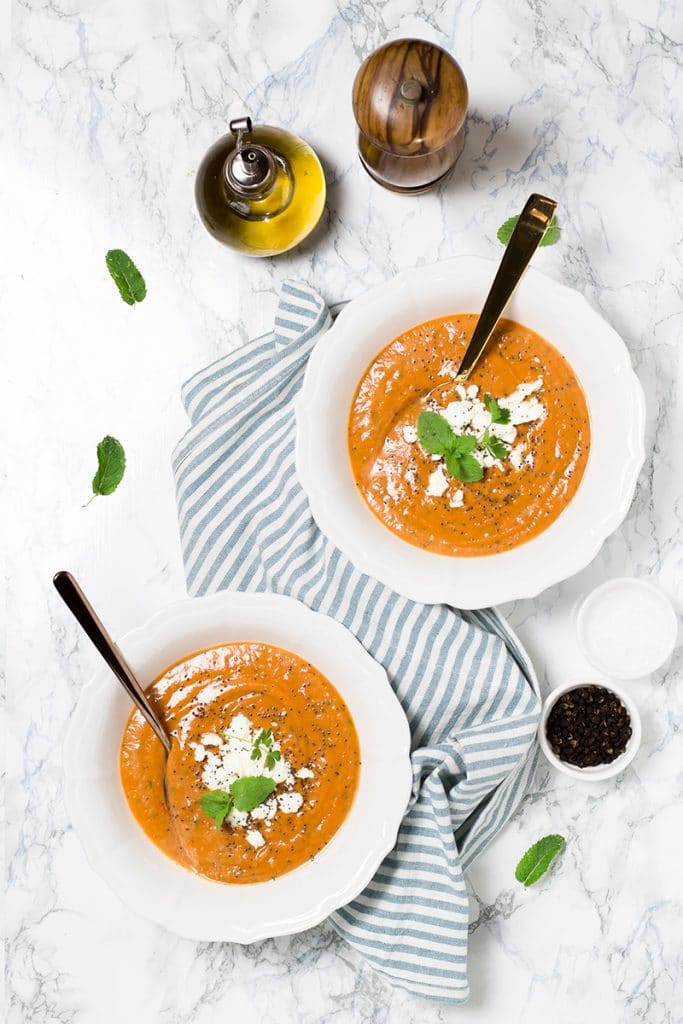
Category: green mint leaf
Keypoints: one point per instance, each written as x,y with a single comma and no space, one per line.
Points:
463,444
452,460
250,791
470,469
111,464
434,433
498,414
538,859
464,467
126,275
217,804
552,232
494,445
256,753
272,758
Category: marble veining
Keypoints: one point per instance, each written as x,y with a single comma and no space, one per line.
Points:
111,107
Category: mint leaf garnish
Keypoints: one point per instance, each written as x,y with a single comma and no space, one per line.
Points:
250,791
464,467
111,465
272,758
127,277
217,804
494,445
552,232
463,444
538,859
434,433
498,414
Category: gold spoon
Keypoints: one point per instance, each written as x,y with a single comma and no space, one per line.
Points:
524,241
84,613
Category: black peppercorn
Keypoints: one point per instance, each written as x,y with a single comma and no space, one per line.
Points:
588,726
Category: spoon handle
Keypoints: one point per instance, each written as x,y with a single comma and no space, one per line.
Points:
84,613
524,241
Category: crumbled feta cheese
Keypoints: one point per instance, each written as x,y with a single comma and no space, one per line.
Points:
459,415
240,818
240,726
211,739
438,483
524,409
266,811
469,415
409,434
448,369
231,759
504,431
304,773
290,803
458,499
517,456
254,838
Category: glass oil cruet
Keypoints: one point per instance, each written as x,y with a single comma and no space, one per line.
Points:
260,190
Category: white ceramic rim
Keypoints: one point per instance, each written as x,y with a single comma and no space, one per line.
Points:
668,613
616,406
154,885
598,773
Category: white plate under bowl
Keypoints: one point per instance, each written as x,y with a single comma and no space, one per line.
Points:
163,891
617,415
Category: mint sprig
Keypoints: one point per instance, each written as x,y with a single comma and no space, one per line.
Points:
438,438
245,794
494,445
538,859
263,744
497,412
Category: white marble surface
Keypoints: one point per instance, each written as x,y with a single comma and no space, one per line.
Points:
112,106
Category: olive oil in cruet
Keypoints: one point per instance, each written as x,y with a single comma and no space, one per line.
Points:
260,190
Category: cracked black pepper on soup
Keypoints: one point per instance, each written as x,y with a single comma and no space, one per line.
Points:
588,726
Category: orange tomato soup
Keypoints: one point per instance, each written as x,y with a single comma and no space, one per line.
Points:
512,503
276,691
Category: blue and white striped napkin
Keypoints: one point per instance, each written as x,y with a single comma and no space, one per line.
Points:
465,683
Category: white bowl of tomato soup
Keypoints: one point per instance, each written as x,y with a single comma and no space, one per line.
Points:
288,777
473,494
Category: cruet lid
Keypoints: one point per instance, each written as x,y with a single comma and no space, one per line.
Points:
250,168
410,97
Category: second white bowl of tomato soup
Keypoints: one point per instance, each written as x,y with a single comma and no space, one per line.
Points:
476,493
287,779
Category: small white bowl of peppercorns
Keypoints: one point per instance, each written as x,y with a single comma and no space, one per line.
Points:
589,731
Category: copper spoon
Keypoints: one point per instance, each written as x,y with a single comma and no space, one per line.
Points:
524,241
78,604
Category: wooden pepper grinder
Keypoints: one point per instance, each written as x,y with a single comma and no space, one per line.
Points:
410,103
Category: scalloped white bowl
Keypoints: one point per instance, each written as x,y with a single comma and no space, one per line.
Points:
163,891
617,414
